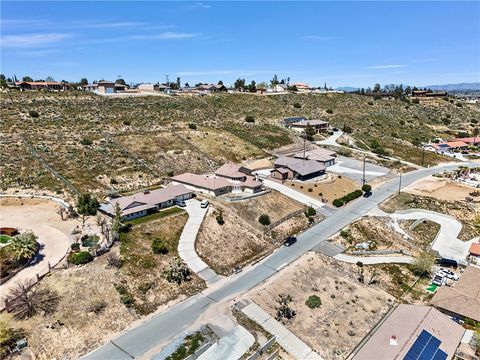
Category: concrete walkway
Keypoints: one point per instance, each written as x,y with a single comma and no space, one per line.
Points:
373,260
288,341
186,244
332,140
231,346
296,195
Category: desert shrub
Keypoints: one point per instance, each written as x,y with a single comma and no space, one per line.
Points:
80,258
177,271
310,190
329,111
345,234
347,129
86,142
264,219
126,122
170,173
313,302
297,105
402,122
27,300
338,203
75,247
158,246
249,119
219,218
446,121
96,306
472,322
415,101
113,260
192,126
458,104
311,211
370,103
283,309
366,188
33,114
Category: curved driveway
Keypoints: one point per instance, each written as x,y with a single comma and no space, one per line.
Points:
164,326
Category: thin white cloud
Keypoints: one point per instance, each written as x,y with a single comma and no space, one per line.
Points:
396,66
424,60
165,36
120,24
320,37
202,5
33,40
38,53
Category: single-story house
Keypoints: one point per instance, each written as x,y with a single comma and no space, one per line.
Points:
208,184
148,87
227,178
211,88
474,254
301,86
146,202
463,299
281,174
300,169
289,120
319,125
425,93
102,87
279,88
323,156
120,87
470,140
41,85
413,332
448,146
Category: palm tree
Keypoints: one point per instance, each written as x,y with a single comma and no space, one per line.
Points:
23,246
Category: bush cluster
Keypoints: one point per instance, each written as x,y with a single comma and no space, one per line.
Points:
264,219
313,302
80,258
310,212
347,198
249,119
158,247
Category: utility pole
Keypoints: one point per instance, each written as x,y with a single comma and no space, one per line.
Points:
400,183
363,178
167,80
423,153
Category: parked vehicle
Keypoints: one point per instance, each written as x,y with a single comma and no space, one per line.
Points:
335,129
237,269
367,194
448,274
446,262
204,204
439,279
180,203
290,241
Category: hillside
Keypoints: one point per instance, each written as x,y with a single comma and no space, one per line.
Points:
98,143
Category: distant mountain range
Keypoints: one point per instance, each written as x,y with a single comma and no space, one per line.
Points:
453,87
446,87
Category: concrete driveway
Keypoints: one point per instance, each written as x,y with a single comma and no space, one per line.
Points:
353,169
332,140
446,242
372,260
296,195
186,244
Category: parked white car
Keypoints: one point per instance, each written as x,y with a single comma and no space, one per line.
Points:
448,274
204,203
439,279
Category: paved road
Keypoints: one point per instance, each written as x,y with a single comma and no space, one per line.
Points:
297,195
186,244
332,140
164,326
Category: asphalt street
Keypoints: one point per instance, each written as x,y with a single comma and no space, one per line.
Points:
164,326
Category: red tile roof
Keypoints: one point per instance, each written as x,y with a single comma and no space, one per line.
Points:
475,249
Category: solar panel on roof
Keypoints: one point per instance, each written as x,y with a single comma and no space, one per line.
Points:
425,348
430,349
440,355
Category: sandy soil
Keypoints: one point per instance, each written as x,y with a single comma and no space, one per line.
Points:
439,188
348,311
331,189
265,163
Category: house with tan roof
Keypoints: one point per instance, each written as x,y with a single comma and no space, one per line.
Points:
463,298
412,332
146,202
227,178
319,125
41,85
321,155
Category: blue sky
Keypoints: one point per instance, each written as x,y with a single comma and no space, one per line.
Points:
341,43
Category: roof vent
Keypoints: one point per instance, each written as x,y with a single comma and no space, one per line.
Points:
393,340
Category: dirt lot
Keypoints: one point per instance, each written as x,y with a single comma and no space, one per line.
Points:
348,310
439,188
334,187
464,212
98,314
275,205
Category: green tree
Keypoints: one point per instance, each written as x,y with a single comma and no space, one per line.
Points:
23,246
264,219
220,82
377,88
366,188
309,132
423,263
49,79
27,78
83,81
87,205
310,212
3,81
120,81
239,83
117,220
252,87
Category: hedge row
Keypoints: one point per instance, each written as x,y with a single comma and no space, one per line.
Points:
347,198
